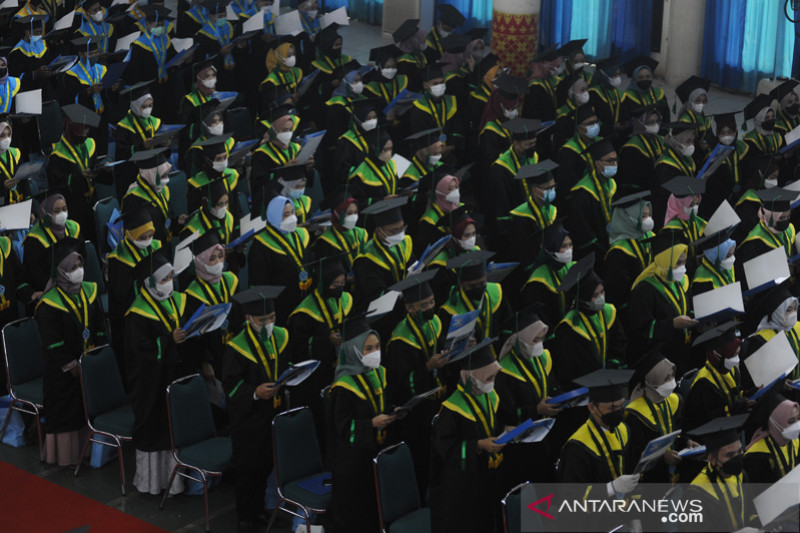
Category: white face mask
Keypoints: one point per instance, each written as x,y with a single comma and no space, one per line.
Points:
4,144
143,243
312,13
479,387
165,289
727,139
394,240
687,150
350,221
789,320
770,183
648,224
289,224
75,276
389,73
216,130
564,257
453,196
443,33
60,219
691,210
220,166
372,359
467,244
290,61
219,212
357,87
728,262
791,432
215,269
582,98
593,130
98,17
652,129
678,273
531,350
510,113
616,81
438,90
698,108
433,159
284,137
209,83
146,112
732,362
666,389
578,65
369,125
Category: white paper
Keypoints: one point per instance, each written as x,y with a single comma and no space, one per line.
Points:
123,43
9,4
792,136
183,254
230,14
780,496
402,164
289,24
338,16
723,218
384,304
16,216
710,302
64,22
246,224
771,361
312,143
29,102
182,44
254,23
766,268
119,2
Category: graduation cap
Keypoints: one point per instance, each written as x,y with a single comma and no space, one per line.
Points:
382,54
523,318
214,107
477,33
665,240
554,236
685,89
145,268
725,119
424,139
548,54
277,111
137,90
583,269
407,29
782,90
387,211
136,218
643,367
61,249
605,385
433,71
511,86
214,146
600,148
719,432
417,287
583,113
771,300
78,114
537,173
30,19
631,199
358,324
328,35
776,199
753,108
216,189
717,337
290,173
205,241
766,404
678,127
471,265
450,16
682,186
86,44
646,110
258,300
639,61
608,65
149,158
455,217
523,129
214,7
712,240
455,43
155,13
572,46
478,356
200,66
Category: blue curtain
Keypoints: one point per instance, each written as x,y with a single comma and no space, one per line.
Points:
633,24
723,41
477,12
370,11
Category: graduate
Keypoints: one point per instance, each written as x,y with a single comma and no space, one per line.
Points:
192,19
463,239
376,177
339,107
676,160
309,17
204,86
788,117
773,451
502,106
83,82
450,18
605,97
410,39
9,87
70,320
283,74
686,194
252,363
573,158
276,150
548,272
135,131
150,54
574,61
762,173
386,83
542,102
211,125
434,222
292,183
214,214
343,237
776,312
640,91
29,58
215,38
427,147
94,24
14,191
278,255
330,62
464,452
531,219
151,191
52,226
153,339
715,269
774,229
693,94
214,167
638,156
576,94
762,139
437,110
728,181
355,143
719,486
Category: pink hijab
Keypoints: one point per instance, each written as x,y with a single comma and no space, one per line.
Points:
778,421
441,192
202,259
675,207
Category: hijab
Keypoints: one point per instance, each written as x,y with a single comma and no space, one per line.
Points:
718,355
694,95
198,83
344,87
626,222
201,264
136,105
151,282
526,335
338,213
350,353
48,204
326,41
632,84
769,218
276,55
441,193
663,264
675,207
414,43
759,119
494,111
777,422
62,281
157,176
275,212
717,253
639,122
773,320
654,379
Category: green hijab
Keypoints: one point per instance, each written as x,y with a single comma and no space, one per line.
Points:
626,222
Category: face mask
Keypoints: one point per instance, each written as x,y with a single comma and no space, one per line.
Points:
644,85
597,304
75,276
475,294
394,240
336,53
438,90
158,30
372,360
433,159
564,257
578,65
220,166
479,387
616,81
290,61
648,224
284,137
793,109
453,196
209,83
730,363
357,87
4,144
510,113
770,183
727,139
549,196
146,112
728,262
428,314
789,320
609,171
165,289
582,98
443,33
612,419
698,108
385,156
350,221
36,38
687,150
369,125
652,129
691,210
312,13
60,219
666,389
289,224
389,73
791,432
3,71
215,269
467,244
531,350
143,243
767,125
593,130
781,225
294,194
216,130
221,22
334,293
98,17
678,273
219,212
734,466
267,330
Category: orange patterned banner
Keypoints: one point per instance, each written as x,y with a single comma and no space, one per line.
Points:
514,40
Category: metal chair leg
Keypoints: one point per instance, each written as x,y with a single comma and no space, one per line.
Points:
274,514
205,500
169,486
121,466
83,453
39,432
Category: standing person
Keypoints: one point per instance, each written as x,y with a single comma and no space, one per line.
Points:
52,226
153,338
70,320
252,363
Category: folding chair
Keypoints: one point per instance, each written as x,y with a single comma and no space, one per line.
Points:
399,508
102,214
107,413
512,517
239,121
178,188
297,459
24,360
685,383
195,445
94,272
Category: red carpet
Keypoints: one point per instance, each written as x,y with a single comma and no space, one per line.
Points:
32,504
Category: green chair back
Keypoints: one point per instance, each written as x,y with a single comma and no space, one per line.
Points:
397,483
102,382
93,270
239,121
102,214
685,383
23,346
178,189
297,452
190,412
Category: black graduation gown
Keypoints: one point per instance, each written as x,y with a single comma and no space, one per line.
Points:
67,177
36,261
770,466
22,66
620,270
347,156
640,433
587,225
717,506
143,66
635,169
162,222
706,401
571,168
14,288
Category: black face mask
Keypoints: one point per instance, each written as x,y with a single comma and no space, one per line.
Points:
335,293
644,84
612,419
733,466
475,293
781,225
768,124
793,109
425,316
3,71
336,53
529,152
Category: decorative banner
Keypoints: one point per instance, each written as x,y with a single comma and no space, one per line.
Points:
514,39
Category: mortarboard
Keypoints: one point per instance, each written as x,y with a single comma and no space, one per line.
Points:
753,108
643,367
776,199
415,288
205,241
450,15
537,173
214,7
216,189
358,324
78,114
646,110
455,217
290,173
631,199
61,249
200,66
726,119
214,107
583,269
681,186
156,13
85,44
583,113
549,54
687,87
258,300
137,90
407,29
572,46
522,319
136,218
478,356
387,211
433,72
706,242
639,61
719,432
382,54
477,33
511,86
599,148
30,19
678,127
471,265
523,129
148,158
717,337
328,35
608,65
424,139
605,385
779,92
214,145
147,266
455,43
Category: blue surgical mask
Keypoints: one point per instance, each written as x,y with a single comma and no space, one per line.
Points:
221,22
158,30
610,171
294,194
36,38
593,130
550,196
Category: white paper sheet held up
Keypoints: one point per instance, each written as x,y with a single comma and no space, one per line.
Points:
289,24
402,164
254,23
339,16
29,102
710,302
312,143
123,43
16,216
771,361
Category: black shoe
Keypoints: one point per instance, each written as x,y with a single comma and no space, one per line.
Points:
246,527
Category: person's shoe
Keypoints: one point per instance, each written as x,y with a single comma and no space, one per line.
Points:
246,527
